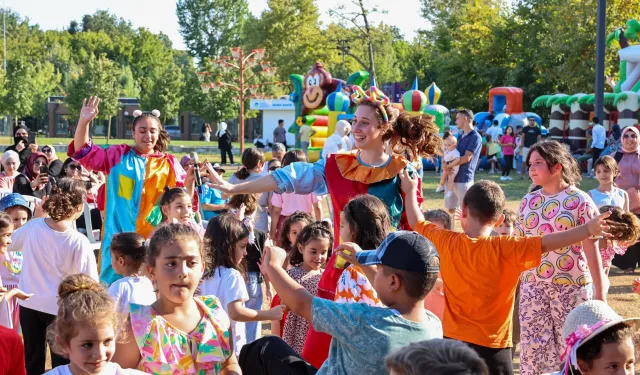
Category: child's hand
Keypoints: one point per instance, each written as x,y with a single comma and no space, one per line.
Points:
599,225
276,313
240,212
14,293
273,257
348,251
408,183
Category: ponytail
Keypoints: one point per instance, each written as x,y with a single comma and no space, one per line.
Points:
251,158
417,134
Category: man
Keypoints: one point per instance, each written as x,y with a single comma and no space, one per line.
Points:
211,200
469,146
277,153
495,131
531,135
305,133
598,138
280,134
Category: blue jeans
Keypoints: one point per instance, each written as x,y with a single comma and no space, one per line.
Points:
254,289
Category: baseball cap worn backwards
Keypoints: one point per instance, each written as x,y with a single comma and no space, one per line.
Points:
403,250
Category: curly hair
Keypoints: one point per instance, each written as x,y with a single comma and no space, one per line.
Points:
368,220
315,231
130,246
67,196
82,300
418,134
169,233
297,216
223,233
627,230
163,137
251,158
555,153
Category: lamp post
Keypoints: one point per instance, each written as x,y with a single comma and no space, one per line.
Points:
243,63
601,21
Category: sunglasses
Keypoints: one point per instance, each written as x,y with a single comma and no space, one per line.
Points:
46,150
74,167
39,163
273,168
632,136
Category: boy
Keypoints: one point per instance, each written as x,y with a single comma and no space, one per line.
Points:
362,335
436,357
506,228
480,272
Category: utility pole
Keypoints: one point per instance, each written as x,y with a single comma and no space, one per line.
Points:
600,48
343,47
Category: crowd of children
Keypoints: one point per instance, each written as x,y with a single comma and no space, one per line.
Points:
366,296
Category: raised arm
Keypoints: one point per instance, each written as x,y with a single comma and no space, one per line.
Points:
594,227
88,112
409,186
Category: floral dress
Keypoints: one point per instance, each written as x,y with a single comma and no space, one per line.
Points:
10,269
295,326
166,350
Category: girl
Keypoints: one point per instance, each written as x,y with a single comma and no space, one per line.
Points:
157,341
10,164
10,267
226,244
308,260
508,144
176,207
136,176
284,205
563,275
224,143
607,194
625,234
65,251
252,169
598,341
31,181
85,329
55,164
127,256
493,149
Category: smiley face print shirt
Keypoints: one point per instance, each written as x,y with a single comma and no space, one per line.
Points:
541,214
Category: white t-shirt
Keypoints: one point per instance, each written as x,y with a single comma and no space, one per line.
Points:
228,285
494,132
132,289
111,368
332,143
48,257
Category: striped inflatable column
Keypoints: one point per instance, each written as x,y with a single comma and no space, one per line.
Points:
578,125
605,121
556,121
628,110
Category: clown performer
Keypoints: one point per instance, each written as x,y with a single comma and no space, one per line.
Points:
367,169
136,176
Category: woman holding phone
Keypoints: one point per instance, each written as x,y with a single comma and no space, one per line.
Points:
22,146
34,179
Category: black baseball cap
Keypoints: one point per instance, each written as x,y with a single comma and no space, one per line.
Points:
403,250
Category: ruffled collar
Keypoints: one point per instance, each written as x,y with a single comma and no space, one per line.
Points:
352,168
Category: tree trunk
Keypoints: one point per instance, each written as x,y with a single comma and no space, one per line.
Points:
109,129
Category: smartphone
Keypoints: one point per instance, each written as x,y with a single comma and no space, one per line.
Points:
44,170
32,138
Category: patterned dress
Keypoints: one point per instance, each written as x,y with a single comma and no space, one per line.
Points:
296,327
10,270
165,350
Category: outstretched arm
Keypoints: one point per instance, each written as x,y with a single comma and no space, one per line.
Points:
594,227
409,186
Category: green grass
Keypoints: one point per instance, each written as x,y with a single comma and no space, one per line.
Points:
101,140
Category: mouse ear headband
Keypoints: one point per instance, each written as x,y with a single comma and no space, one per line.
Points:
374,96
138,113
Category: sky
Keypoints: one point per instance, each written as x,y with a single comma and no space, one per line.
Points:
160,15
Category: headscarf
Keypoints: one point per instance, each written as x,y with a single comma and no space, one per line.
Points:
54,156
616,132
184,162
637,133
17,139
222,129
28,168
10,155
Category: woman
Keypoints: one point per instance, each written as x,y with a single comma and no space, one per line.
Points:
31,181
73,169
10,164
614,142
21,146
136,176
206,132
367,169
628,158
55,164
224,143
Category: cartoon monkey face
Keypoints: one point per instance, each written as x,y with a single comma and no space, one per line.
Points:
316,83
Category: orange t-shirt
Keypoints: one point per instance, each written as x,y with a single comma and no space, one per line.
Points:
480,277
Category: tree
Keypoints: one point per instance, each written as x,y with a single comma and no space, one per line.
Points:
166,93
102,20
210,27
17,100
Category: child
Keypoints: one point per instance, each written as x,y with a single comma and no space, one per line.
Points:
156,340
507,226
436,357
451,154
253,163
17,208
480,272
507,229
493,149
573,273
407,267
226,245
127,256
598,341
435,299
176,206
623,235
85,329
308,258
285,204
51,249
507,143
607,194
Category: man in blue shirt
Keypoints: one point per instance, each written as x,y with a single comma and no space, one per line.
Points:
469,146
211,201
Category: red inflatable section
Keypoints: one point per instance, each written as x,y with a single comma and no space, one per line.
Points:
513,96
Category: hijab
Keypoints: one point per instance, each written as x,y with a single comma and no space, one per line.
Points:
28,168
637,133
222,129
616,132
54,156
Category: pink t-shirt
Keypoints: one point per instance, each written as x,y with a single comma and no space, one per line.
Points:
540,215
291,202
6,182
507,150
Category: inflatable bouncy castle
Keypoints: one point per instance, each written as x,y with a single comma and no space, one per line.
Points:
506,107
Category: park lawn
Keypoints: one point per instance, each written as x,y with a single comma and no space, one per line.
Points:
102,140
